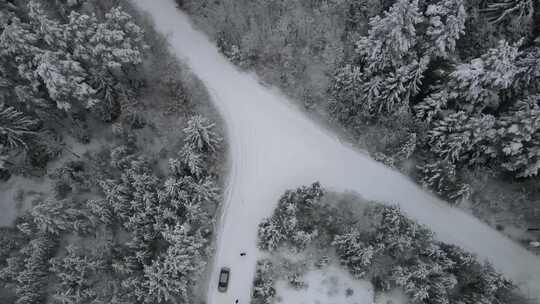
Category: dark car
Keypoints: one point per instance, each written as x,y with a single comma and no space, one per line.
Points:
224,276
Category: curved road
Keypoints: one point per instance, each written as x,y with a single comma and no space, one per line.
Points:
273,147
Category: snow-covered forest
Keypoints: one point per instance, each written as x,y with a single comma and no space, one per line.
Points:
314,230
145,147
111,159
445,91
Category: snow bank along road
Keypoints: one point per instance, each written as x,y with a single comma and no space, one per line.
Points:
273,147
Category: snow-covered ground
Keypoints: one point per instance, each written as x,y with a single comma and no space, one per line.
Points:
273,147
331,285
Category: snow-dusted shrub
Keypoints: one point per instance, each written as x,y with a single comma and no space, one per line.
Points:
296,280
263,285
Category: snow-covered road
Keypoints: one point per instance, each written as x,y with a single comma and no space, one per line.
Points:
274,147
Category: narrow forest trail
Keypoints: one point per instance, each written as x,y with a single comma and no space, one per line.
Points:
274,147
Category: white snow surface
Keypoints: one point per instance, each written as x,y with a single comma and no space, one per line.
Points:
274,147
327,286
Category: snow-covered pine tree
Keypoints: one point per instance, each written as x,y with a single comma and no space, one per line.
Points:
491,282
501,10
7,11
528,80
200,135
15,128
204,191
397,235
54,217
391,38
73,58
459,138
446,24
407,149
479,82
301,239
65,81
269,235
31,282
170,277
440,288
263,285
441,177
115,44
354,252
50,32
518,133
109,50
397,88
347,94
432,107
76,275
100,211
477,85
393,69
17,50
194,161
66,6
417,279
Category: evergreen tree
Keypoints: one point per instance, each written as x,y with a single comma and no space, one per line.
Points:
194,161
347,102
55,217
50,32
270,235
76,273
459,138
31,282
204,191
7,11
441,177
391,70
109,51
500,10
170,278
263,285
200,135
397,87
477,85
518,132
16,128
421,281
115,44
354,252
433,106
101,211
398,235
407,149
65,81
446,24
18,46
391,39
527,82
